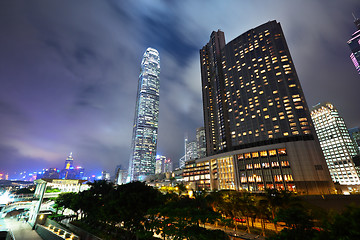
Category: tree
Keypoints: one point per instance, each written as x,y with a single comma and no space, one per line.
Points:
247,208
277,199
64,200
130,204
263,212
178,214
345,225
24,191
198,233
298,221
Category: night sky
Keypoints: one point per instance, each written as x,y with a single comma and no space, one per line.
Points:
69,70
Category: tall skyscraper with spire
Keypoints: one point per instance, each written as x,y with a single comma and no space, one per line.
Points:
68,171
145,129
354,44
69,162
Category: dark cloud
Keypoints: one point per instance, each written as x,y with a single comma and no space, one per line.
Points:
14,159
69,70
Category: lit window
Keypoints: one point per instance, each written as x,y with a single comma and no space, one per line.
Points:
272,152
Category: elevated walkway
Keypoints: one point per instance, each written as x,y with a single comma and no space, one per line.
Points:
20,230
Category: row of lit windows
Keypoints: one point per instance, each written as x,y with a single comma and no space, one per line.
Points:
277,178
272,152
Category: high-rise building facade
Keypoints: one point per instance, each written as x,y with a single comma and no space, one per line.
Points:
336,143
120,175
201,142
159,164
145,129
69,162
191,151
354,44
105,176
168,166
258,128
355,136
256,95
69,171
182,161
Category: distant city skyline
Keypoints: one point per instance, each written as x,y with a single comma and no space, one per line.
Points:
69,83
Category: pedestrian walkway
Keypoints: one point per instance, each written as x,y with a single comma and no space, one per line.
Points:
238,234
21,230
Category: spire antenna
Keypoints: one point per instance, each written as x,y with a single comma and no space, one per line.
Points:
354,16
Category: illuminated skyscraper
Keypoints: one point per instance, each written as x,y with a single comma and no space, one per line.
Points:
145,129
68,170
69,162
251,91
336,143
354,44
258,127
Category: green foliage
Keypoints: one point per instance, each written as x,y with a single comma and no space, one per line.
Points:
344,226
54,216
298,221
51,190
199,233
179,213
24,191
136,211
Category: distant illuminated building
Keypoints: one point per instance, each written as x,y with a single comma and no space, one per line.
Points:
69,162
163,165
201,142
355,135
354,44
168,166
105,176
121,176
191,151
182,161
335,141
51,173
145,128
69,171
68,167
79,173
4,176
159,164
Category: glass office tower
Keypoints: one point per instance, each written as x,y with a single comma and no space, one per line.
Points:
145,129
